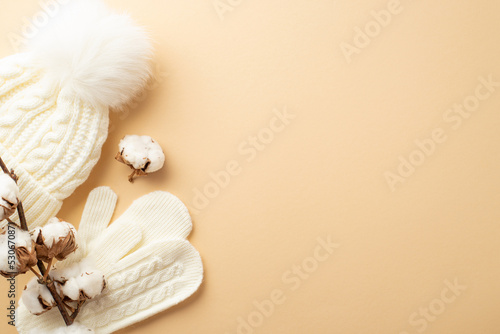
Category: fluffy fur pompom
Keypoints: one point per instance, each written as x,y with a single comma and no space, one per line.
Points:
94,54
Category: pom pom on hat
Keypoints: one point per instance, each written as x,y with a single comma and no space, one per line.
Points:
55,99
96,55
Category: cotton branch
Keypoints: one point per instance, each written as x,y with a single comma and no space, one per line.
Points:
43,278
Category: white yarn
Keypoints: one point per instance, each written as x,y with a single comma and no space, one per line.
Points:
148,264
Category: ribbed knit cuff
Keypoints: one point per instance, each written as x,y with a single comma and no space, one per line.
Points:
39,206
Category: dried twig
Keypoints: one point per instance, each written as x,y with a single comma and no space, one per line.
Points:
22,217
4,167
36,273
78,308
49,265
60,305
131,176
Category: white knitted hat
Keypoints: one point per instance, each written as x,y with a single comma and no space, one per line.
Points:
55,99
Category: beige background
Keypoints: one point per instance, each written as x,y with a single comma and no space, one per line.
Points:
218,82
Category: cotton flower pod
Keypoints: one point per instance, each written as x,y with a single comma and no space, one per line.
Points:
37,297
9,196
17,252
141,153
79,282
57,240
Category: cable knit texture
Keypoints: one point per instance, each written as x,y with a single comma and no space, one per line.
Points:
148,264
55,99
51,141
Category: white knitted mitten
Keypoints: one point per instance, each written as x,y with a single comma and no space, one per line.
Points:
148,264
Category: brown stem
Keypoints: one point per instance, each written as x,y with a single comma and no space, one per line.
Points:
60,305
22,217
41,267
49,265
36,274
70,308
7,171
78,308
4,167
50,285
131,176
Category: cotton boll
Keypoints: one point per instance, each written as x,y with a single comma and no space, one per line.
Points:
9,196
23,238
35,233
70,289
57,240
55,230
75,328
91,283
5,267
80,281
17,252
141,153
37,298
